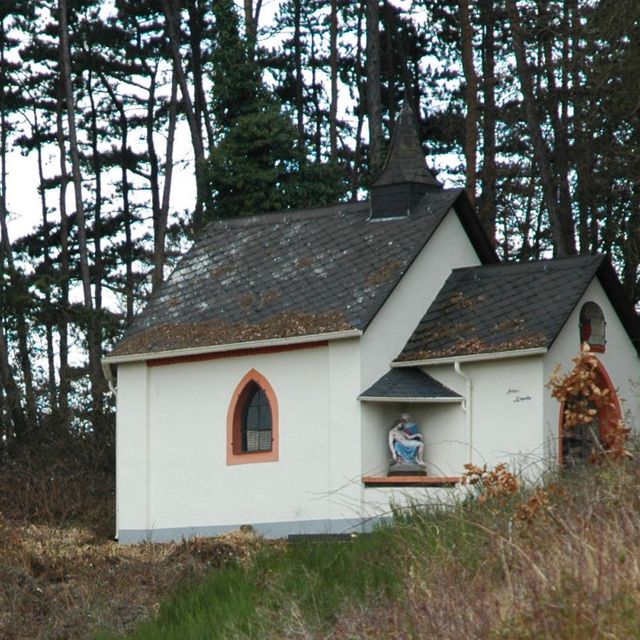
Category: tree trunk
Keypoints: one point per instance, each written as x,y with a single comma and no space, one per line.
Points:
196,16
489,174
333,70
160,226
561,229
63,303
94,346
297,59
374,106
51,365
251,20
16,278
171,12
126,203
557,110
471,99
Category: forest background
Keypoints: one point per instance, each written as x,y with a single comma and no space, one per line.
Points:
532,105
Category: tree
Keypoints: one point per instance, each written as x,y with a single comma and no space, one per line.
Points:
258,164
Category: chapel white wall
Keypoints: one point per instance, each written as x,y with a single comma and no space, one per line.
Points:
449,247
507,401
183,441
132,482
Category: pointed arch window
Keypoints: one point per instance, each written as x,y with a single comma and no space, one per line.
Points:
252,421
255,427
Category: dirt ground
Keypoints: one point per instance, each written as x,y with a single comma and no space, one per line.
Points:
69,582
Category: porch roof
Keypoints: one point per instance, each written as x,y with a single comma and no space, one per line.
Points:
408,384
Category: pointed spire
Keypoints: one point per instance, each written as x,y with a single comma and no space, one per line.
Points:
405,161
405,178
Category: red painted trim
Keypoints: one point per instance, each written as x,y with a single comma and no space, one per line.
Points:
234,353
234,422
407,481
609,416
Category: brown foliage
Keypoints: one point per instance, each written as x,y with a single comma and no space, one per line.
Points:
498,483
584,398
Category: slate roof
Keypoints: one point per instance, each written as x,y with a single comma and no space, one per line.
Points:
405,162
511,306
409,383
290,274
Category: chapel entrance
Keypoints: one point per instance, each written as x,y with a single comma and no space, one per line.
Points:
584,443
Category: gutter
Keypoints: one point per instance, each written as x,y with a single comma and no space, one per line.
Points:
220,348
467,405
473,357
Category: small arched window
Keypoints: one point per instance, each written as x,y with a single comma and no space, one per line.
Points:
252,421
592,327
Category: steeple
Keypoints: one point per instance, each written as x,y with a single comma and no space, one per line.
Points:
405,178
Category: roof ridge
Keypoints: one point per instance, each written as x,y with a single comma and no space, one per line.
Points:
533,263
302,213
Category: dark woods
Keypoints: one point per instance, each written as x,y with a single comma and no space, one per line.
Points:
530,104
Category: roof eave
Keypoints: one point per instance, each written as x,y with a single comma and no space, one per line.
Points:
396,399
474,229
220,348
473,357
620,301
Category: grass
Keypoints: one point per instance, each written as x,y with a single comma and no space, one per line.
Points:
562,562
304,583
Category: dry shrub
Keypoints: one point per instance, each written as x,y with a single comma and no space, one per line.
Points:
497,484
61,573
60,479
584,399
238,546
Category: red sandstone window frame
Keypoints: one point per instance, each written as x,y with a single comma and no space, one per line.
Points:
240,396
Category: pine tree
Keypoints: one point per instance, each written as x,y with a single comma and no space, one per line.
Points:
257,164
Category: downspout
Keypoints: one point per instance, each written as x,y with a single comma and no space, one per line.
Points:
466,405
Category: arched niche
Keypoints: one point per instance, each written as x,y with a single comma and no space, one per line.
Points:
593,328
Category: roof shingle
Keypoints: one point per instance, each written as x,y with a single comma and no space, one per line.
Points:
504,307
282,275
409,383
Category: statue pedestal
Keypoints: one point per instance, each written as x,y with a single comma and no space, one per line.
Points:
406,469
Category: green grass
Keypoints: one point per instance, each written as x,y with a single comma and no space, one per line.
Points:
307,580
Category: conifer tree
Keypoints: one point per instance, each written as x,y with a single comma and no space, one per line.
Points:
257,164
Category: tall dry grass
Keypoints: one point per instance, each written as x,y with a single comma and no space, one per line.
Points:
566,568
62,576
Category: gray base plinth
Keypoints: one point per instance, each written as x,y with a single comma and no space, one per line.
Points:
406,469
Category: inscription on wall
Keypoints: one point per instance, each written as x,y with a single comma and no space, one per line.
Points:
518,397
